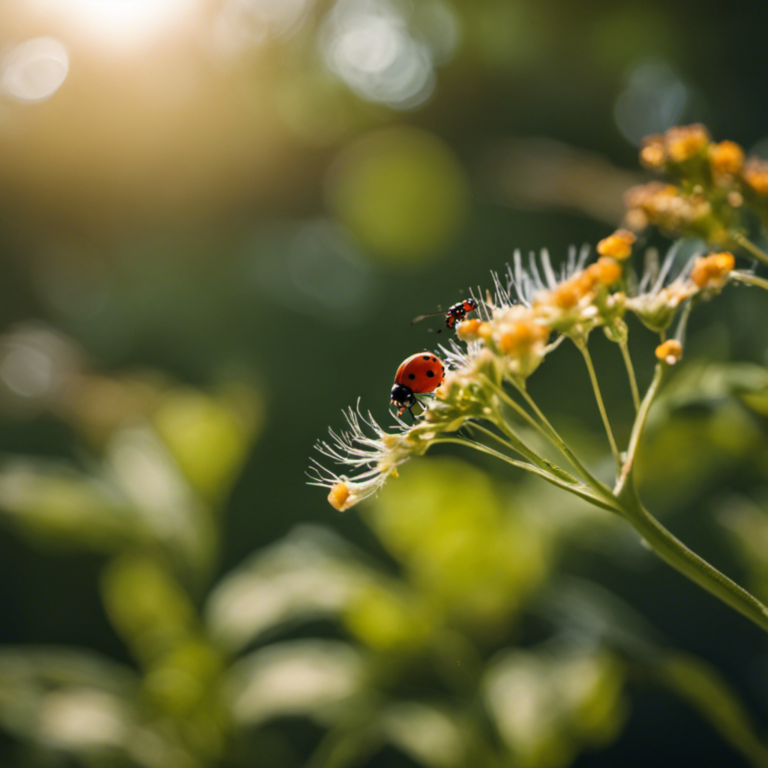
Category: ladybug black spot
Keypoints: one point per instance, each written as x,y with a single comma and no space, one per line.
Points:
434,359
426,357
411,376
431,374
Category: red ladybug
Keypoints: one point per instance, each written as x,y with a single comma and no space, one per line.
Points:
419,374
455,314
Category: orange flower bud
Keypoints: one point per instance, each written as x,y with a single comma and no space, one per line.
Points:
726,158
685,141
618,245
566,296
670,351
605,271
470,330
522,336
755,173
339,496
652,153
712,271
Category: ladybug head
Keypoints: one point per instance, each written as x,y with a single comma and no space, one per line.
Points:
403,396
469,305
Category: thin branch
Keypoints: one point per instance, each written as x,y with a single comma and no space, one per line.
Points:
518,446
624,347
600,404
637,427
675,553
748,245
745,277
558,441
518,409
582,491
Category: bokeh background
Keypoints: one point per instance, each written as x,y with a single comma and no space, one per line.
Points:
217,219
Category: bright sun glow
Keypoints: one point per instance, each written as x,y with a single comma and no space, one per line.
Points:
130,22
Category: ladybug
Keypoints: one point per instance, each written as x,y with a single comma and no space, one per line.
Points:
455,314
419,374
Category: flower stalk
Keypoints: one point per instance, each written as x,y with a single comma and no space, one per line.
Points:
624,347
670,549
750,247
600,404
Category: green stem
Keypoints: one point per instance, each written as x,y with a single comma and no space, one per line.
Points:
518,409
517,445
624,347
600,488
600,404
745,277
638,426
582,491
748,245
670,549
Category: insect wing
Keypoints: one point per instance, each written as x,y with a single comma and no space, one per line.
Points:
424,317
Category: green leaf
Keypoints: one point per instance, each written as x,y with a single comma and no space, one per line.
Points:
78,704
551,702
704,689
208,436
320,679
147,606
56,504
310,574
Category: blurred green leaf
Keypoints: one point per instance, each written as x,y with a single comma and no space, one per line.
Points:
429,734
705,383
140,465
208,436
444,521
690,451
747,522
317,678
53,502
551,702
147,606
312,573
76,703
401,191
702,686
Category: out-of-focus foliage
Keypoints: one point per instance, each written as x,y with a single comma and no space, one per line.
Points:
468,646
236,207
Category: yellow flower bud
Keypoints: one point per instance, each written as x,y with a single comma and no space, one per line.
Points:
652,154
606,271
712,271
755,173
618,245
685,141
469,330
670,351
339,496
522,336
726,158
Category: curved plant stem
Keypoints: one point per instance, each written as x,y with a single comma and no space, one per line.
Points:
624,347
637,427
600,488
600,404
582,491
516,444
748,245
669,548
518,409
745,277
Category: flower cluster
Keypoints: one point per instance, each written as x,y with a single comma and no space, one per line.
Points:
713,185
484,397
532,310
